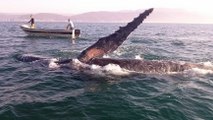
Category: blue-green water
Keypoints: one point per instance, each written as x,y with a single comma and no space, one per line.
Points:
33,91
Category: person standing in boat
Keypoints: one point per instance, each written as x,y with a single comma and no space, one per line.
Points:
32,22
70,26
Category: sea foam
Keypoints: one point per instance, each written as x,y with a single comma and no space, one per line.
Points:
108,69
53,64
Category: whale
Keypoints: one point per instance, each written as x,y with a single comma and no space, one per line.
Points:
150,66
110,43
93,55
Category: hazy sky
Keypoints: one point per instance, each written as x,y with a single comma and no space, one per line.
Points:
81,6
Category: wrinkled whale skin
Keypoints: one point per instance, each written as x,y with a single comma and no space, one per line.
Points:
145,66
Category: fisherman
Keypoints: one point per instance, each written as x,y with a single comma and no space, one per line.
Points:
70,26
32,22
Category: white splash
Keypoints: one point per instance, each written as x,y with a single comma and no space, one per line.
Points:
115,69
138,57
53,63
95,67
106,56
76,61
99,70
119,53
76,64
207,64
195,71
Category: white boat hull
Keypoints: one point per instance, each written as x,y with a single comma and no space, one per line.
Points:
49,32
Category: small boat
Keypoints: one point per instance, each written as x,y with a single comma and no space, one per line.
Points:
49,32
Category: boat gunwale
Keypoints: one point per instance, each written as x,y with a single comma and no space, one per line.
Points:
49,31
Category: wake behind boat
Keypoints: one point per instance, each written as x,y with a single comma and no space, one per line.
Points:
49,32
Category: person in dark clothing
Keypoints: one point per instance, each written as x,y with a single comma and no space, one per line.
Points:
32,22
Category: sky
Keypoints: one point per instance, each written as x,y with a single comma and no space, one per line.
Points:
82,6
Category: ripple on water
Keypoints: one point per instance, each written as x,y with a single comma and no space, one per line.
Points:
33,91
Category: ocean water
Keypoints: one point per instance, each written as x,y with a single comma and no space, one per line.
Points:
41,91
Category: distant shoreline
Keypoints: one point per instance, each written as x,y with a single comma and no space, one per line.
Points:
159,16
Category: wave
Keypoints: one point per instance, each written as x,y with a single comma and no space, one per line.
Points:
207,69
